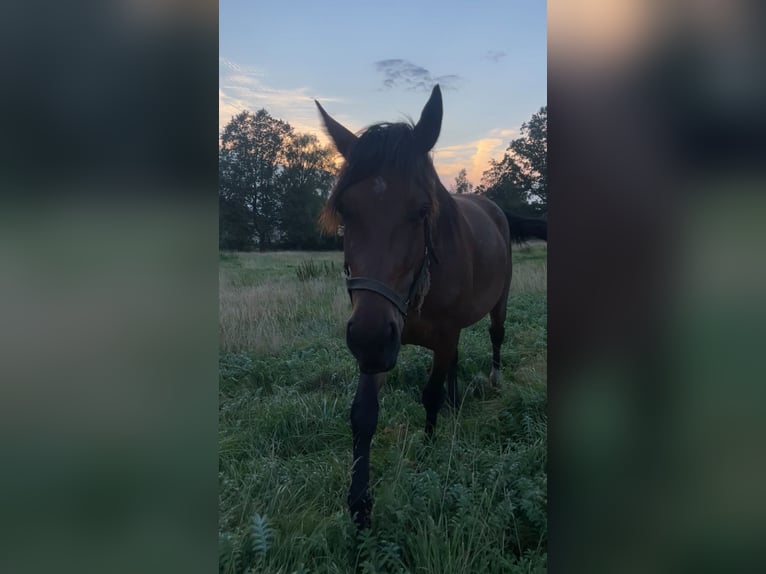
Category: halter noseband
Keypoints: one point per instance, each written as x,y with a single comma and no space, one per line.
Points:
403,304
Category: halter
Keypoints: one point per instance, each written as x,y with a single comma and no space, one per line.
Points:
403,304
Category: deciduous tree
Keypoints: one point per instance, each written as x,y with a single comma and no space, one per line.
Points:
462,185
252,149
519,181
305,183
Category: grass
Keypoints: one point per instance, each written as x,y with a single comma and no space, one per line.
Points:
473,501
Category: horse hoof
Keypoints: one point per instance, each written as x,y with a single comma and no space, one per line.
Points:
494,377
360,512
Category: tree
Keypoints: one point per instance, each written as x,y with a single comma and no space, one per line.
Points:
462,185
235,222
252,148
519,181
305,183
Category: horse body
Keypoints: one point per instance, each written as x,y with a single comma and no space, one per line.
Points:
464,291
487,255
421,265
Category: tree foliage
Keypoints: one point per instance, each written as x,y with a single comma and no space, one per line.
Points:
272,185
519,181
251,151
305,184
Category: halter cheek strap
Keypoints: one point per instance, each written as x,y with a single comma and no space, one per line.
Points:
402,304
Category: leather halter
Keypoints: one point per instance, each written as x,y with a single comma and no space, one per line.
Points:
401,303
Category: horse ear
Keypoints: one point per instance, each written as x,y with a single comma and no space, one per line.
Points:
344,140
430,123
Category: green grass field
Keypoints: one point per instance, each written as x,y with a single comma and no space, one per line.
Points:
473,501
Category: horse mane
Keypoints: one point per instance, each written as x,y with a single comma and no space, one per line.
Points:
386,147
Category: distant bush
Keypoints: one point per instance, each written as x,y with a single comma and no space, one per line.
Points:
310,269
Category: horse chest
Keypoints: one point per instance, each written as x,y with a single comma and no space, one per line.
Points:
420,331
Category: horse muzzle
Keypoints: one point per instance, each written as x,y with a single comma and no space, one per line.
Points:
374,346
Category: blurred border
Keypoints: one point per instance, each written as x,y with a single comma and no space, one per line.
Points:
108,288
656,283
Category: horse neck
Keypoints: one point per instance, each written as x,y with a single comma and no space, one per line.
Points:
448,213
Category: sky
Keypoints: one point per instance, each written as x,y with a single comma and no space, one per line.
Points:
368,62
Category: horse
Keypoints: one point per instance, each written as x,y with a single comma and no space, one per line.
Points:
420,265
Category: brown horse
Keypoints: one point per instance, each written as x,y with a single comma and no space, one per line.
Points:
420,264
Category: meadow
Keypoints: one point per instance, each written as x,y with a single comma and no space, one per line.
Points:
473,500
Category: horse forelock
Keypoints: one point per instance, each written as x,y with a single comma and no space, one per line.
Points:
385,148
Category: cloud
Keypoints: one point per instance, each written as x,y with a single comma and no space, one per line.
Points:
495,55
504,133
404,74
241,88
473,156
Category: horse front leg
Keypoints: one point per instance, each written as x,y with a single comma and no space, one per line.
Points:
452,394
497,330
444,361
364,419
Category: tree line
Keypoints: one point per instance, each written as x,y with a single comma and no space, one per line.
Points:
273,182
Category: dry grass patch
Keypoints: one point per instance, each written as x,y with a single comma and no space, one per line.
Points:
529,276
263,319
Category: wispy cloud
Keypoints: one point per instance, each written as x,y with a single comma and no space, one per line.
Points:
227,66
504,132
241,88
495,55
404,74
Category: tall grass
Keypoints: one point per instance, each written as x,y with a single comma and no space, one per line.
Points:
474,500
